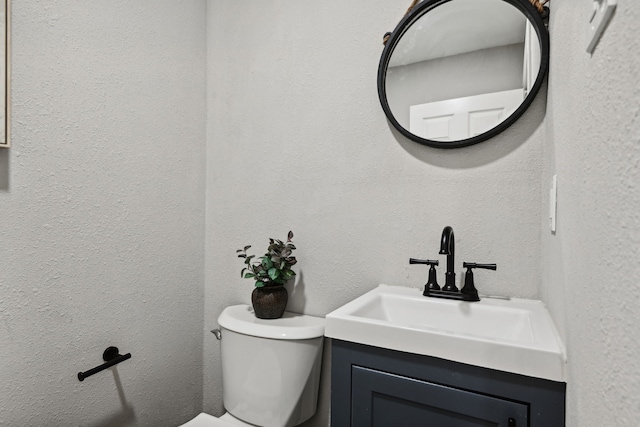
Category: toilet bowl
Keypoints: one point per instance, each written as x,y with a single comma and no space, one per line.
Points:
270,369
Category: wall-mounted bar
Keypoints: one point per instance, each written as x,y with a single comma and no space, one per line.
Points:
111,356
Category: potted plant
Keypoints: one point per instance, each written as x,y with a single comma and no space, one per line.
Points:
270,272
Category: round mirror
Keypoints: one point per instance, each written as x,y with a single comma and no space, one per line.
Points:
458,72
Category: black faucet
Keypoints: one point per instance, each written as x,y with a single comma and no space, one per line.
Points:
449,290
448,248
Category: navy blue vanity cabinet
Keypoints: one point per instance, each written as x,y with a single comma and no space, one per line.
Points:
371,386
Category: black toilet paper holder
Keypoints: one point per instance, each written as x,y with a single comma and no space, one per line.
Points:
111,356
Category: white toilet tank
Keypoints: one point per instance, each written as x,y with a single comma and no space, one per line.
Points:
270,368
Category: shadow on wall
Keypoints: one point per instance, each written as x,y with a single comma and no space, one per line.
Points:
297,298
4,169
485,152
126,416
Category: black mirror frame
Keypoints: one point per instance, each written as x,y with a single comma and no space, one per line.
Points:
425,6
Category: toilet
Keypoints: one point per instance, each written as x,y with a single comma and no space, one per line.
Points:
270,369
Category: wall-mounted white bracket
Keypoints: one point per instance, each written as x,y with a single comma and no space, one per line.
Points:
598,19
553,203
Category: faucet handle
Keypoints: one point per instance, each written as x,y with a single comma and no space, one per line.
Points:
469,287
432,282
424,261
476,265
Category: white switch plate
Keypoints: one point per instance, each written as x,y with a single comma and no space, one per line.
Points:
553,203
598,19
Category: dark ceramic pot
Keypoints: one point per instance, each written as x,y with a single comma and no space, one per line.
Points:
269,302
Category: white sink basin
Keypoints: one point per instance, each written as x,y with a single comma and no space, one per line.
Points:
515,335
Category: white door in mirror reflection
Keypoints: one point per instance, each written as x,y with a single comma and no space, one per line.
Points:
463,118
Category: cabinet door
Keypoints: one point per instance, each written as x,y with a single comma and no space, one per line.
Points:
383,399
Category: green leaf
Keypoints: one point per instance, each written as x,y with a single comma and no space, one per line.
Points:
249,276
259,284
267,263
274,273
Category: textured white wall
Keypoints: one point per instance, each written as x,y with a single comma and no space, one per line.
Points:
297,140
101,200
590,267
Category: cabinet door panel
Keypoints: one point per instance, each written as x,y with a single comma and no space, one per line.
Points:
381,399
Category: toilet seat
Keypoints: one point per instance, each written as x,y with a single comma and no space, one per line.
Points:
206,420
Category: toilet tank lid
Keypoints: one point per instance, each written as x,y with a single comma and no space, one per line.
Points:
291,326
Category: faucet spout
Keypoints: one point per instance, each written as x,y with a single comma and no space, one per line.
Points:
448,248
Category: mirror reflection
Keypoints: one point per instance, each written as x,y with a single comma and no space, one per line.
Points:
461,69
